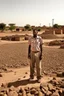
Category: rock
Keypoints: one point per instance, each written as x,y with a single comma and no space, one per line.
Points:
40,93
54,78
36,93
63,92
17,89
48,93
44,86
24,76
24,93
4,85
5,94
5,69
14,73
12,93
12,88
27,89
54,82
10,70
45,73
55,94
32,90
63,74
62,79
28,94
61,84
43,91
1,75
4,90
19,79
50,87
59,74
1,94
21,89
19,94
60,92
26,72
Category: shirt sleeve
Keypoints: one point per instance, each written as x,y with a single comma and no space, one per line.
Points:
29,41
41,41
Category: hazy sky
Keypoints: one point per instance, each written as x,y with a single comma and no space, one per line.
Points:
33,12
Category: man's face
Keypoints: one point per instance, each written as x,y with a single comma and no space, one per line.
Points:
35,33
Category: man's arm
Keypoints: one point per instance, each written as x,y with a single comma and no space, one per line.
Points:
41,48
29,51
41,51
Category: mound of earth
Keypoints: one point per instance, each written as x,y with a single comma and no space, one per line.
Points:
56,43
48,36
62,46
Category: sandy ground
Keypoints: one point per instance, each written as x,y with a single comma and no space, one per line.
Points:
13,55
18,77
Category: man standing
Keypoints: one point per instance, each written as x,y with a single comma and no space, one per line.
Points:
35,54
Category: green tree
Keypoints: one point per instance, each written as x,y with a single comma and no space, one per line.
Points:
55,26
11,26
27,27
2,26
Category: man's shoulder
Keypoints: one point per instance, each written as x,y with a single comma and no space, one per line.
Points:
39,37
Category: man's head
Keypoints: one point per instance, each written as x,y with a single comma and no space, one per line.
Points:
35,33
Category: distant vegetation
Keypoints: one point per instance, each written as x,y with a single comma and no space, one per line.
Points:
2,26
11,26
28,27
55,26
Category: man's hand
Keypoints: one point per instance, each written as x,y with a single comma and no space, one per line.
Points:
29,56
29,51
40,57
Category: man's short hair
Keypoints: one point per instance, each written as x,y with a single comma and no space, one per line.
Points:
35,30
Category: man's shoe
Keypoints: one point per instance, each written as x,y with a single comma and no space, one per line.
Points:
39,80
31,78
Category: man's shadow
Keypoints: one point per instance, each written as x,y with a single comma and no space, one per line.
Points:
21,82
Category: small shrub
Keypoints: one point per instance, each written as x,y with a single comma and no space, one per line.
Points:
39,29
29,29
